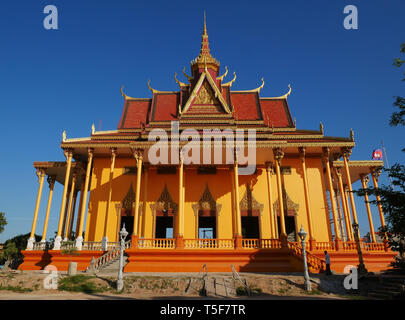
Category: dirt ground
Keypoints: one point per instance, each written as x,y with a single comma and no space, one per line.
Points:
29,285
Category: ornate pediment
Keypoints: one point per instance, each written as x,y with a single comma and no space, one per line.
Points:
290,207
249,203
164,202
129,199
206,96
207,202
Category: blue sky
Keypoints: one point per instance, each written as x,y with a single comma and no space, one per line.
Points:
67,79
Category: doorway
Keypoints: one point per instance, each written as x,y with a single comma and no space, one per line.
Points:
250,228
289,228
129,225
207,227
164,227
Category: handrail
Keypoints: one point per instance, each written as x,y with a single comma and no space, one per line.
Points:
203,270
208,243
236,276
156,243
109,256
312,260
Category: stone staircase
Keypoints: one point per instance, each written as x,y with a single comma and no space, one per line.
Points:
220,286
112,266
388,288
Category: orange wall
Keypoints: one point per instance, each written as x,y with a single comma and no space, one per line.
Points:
220,186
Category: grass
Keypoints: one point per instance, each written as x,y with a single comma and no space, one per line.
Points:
241,291
16,289
313,292
80,283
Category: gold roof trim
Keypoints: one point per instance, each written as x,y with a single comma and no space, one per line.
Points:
186,75
224,75
157,91
231,82
280,97
252,90
181,84
218,95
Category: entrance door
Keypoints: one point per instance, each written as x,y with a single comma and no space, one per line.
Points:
289,228
129,225
207,227
164,227
250,228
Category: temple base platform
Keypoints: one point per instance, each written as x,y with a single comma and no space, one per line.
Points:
192,260
38,260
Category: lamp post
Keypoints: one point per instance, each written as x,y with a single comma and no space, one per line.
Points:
361,267
302,234
120,281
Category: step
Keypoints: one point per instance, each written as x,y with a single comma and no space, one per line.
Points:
220,287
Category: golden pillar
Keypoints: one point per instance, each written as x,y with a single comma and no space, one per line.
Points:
346,212
364,182
273,218
346,155
339,209
73,215
65,214
79,236
375,174
307,200
41,177
144,201
180,214
234,231
107,211
332,196
51,183
278,156
69,210
346,195
58,239
79,211
238,217
138,154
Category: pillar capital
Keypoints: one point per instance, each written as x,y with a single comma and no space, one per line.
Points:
51,181
326,153
269,167
68,152
137,153
302,152
278,154
90,152
40,173
338,172
346,152
365,178
113,151
375,172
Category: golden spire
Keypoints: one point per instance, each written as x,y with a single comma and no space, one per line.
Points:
205,58
205,26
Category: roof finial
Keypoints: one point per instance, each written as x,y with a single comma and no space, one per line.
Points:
205,26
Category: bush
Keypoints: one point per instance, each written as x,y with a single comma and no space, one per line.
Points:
79,283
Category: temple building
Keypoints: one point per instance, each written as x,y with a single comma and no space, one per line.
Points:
208,175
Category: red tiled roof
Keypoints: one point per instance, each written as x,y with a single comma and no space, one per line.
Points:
277,112
135,112
246,105
164,106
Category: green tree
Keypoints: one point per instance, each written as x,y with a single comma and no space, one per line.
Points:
397,117
3,221
393,197
20,243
